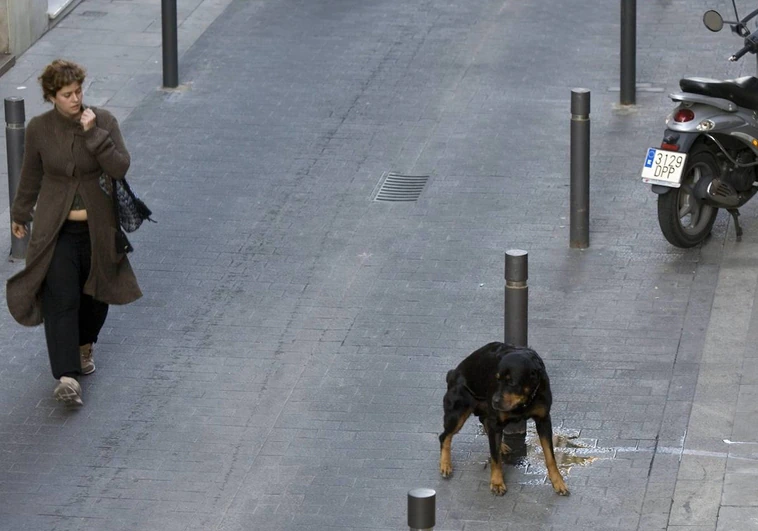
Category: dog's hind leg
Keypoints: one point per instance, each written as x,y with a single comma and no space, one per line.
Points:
545,433
453,422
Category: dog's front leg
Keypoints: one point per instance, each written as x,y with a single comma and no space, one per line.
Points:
497,483
545,433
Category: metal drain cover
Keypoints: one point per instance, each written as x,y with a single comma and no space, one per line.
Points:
397,187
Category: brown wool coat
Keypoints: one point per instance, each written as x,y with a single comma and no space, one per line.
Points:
59,159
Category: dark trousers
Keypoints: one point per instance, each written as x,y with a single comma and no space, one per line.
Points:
71,318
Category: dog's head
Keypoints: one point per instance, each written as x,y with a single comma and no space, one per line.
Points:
517,380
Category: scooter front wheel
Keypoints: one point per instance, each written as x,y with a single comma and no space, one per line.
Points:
683,219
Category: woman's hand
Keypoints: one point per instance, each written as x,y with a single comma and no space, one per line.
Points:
18,230
88,119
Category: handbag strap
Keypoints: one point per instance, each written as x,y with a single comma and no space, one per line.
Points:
127,187
114,197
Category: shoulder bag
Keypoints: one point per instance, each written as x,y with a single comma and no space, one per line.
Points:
129,210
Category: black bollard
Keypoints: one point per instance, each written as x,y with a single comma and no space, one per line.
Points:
516,333
579,215
170,46
15,117
421,509
628,51
516,297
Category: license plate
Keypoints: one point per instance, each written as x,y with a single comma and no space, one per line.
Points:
663,167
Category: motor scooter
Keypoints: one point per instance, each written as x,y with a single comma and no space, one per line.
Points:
709,154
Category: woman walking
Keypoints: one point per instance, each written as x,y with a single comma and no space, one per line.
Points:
73,270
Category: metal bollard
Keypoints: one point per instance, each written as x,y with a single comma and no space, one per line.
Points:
516,297
579,215
516,333
421,509
628,51
15,129
170,46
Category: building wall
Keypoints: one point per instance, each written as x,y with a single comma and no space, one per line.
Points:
27,21
4,33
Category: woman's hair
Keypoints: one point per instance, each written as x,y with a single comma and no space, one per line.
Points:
57,75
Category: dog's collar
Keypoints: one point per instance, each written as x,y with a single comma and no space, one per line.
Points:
479,398
534,393
531,397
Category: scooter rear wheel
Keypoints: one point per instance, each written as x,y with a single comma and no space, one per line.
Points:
685,221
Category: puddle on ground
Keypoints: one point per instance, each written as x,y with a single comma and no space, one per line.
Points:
570,451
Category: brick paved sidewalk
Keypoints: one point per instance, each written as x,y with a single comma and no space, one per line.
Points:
286,366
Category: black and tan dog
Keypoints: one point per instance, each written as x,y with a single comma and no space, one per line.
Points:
500,384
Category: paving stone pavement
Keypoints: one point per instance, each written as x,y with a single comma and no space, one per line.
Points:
285,369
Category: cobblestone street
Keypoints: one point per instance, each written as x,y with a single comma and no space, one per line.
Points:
286,367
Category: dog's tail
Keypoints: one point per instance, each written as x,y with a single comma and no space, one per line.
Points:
458,394
452,378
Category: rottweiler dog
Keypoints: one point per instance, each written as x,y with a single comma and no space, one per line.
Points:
500,384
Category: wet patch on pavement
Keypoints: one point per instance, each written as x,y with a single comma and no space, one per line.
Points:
571,451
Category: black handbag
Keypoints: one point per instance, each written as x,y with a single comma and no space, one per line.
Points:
122,242
129,210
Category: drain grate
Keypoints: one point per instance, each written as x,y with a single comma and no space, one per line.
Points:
397,187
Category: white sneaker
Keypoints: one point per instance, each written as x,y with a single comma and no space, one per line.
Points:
68,391
85,355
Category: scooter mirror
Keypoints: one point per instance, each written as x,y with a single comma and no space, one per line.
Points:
713,20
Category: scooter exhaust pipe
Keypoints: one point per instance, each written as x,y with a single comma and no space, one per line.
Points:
723,194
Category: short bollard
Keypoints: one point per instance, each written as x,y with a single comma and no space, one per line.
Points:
15,129
516,297
421,509
516,333
579,215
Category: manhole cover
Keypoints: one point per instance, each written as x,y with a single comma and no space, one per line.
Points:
397,187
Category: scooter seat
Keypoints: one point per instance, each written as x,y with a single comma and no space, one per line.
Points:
743,91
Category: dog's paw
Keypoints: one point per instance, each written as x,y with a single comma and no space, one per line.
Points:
498,489
446,469
561,488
